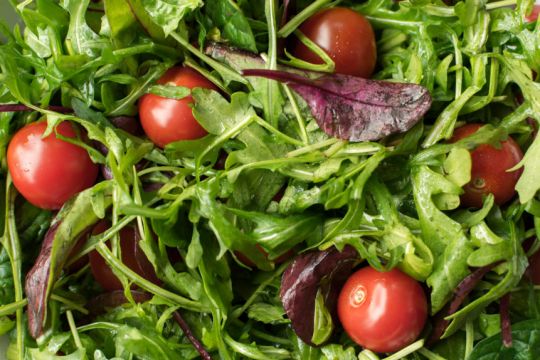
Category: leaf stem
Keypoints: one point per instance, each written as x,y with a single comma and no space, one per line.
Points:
73,328
9,309
69,303
117,265
11,243
415,346
222,69
298,115
295,22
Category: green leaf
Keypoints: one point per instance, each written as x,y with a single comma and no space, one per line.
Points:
195,250
458,166
444,236
338,352
81,39
267,313
75,217
528,184
278,234
170,91
323,326
234,26
123,23
7,294
525,344
168,15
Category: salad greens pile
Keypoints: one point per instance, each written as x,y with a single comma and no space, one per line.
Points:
265,175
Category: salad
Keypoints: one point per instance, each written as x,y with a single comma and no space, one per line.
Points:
270,180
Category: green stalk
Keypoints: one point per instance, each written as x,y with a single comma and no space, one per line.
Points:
406,351
223,70
11,243
295,22
469,337
122,269
298,115
9,309
73,328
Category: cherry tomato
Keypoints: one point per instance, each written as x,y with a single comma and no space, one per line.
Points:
489,169
49,171
132,256
167,120
345,35
382,311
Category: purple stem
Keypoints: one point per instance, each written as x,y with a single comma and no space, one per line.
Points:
19,107
506,325
187,331
460,294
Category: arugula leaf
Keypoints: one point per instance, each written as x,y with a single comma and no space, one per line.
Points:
7,294
527,186
166,14
81,39
445,237
267,313
234,26
170,91
74,218
525,339
122,21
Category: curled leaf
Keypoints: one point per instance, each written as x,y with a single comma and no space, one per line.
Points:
357,109
324,271
73,220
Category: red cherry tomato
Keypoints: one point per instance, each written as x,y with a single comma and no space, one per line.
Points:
489,173
345,35
49,171
167,120
382,311
132,256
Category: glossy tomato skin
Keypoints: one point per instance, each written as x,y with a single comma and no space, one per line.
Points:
49,171
382,311
345,35
489,173
132,256
167,120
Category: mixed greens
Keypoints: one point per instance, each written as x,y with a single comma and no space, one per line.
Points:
215,214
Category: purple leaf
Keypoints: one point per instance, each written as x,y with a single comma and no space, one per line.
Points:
357,109
326,270
75,218
463,289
